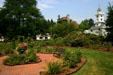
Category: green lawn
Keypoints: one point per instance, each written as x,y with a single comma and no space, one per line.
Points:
98,63
0,70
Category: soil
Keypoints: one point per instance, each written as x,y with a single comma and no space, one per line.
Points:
28,69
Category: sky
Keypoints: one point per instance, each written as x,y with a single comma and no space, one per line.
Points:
77,9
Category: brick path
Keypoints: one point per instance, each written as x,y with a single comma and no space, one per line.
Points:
29,69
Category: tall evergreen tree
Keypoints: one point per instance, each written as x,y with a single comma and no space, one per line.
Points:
109,23
19,17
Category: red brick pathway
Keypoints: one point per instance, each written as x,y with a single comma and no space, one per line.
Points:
29,69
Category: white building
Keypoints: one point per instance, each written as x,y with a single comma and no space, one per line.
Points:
2,38
100,26
43,37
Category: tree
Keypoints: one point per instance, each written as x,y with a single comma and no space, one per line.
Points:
19,17
62,29
109,23
86,24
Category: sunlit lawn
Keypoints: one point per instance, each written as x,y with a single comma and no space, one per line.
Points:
98,63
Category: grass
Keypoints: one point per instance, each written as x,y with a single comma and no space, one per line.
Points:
0,70
98,63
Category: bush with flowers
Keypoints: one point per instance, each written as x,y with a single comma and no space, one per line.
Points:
22,55
72,58
54,67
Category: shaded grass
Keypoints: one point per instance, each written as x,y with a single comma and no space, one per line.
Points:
0,70
98,63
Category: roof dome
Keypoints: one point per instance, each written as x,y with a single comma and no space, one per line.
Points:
99,9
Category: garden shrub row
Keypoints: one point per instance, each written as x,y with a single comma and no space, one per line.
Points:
20,59
70,60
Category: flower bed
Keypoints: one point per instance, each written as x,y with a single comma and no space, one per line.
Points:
68,71
71,62
22,56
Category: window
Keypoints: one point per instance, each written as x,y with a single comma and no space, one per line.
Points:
101,15
97,16
46,37
41,37
101,19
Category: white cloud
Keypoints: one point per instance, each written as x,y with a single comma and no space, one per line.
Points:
44,4
1,3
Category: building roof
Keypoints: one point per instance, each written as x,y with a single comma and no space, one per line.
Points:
64,18
99,9
75,22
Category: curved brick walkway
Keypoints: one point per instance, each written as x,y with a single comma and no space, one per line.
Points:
29,69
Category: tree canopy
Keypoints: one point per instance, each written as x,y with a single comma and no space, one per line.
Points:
21,17
109,23
86,24
62,29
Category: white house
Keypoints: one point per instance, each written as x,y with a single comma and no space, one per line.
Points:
2,38
100,26
43,37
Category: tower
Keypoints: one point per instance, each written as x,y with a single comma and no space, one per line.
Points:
58,16
100,18
68,18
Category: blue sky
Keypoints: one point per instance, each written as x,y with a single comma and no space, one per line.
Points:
78,9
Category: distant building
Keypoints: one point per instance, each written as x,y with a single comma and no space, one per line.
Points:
66,19
1,38
43,37
100,27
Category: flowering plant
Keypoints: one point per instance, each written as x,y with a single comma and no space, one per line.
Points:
54,67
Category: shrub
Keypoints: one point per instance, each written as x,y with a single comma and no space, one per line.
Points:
54,67
66,55
15,60
13,44
59,41
32,56
108,45
38,49
72,58
79,56
5,48
72,62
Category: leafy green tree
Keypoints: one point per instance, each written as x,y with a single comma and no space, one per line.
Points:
109,23
62,29
86,24
19,17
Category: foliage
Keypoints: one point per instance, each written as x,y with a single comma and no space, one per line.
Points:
62,29
70,38
29,56
32,56
22,18
54,67
72,58
109,23
13,44
15,60
108,45
5,48
86,24
98,62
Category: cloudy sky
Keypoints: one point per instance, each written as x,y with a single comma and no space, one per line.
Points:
78,9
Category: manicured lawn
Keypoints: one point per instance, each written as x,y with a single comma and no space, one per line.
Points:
98,63
0,70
